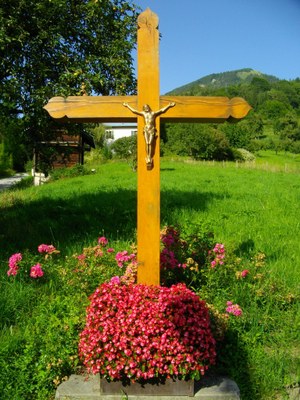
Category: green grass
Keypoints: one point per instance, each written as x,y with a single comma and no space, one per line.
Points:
249,210
280,161
70,211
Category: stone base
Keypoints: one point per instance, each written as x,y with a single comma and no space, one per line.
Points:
80,387
169,388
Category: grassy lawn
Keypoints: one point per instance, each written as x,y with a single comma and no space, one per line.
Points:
251,211
282,161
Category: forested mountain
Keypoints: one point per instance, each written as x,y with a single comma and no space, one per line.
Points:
223,79
273,123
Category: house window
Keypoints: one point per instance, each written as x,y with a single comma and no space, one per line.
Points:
109,134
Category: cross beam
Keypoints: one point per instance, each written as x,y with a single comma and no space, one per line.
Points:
130,108
109,108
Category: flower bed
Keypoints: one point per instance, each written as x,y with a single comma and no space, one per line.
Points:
137,333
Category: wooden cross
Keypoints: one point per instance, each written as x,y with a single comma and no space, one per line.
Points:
148,107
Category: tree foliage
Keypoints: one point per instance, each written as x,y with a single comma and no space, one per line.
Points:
200,141
273,123
52,47
126,148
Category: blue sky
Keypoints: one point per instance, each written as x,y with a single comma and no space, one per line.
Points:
201,37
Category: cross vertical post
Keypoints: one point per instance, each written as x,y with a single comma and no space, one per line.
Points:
148,197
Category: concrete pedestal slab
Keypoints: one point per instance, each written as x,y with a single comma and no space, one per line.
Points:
80,387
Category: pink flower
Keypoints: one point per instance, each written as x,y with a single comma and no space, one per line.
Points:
13,271
110,250
138,331
102,241
219,248
13,264
115,280
219,251
14,259
123,257
244,273
36,271
234,309
46,248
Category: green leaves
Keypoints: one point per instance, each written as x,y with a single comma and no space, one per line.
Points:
51,47
199,141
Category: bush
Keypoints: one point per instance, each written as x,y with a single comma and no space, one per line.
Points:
139,332
243,155
198,141
295,147
126,149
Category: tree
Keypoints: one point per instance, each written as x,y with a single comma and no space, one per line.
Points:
272,109
287,127
126,148
256,92
200,141
52,47
291,89
237,134
13,143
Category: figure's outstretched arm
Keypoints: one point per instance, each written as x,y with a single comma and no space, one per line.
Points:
132,109
163,110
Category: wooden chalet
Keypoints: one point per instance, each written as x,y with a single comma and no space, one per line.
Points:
65,150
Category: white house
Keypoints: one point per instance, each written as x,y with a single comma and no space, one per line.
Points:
117,130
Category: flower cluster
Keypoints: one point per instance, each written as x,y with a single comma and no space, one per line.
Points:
242,274
219,255
172,249
46,248
103,241
13,264
168,259
234,309
139,332
90,253
97,264
130,275
36,270
185,259
124,257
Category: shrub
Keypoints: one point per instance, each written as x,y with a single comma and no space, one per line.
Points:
243,155
183,258
139,332
126,148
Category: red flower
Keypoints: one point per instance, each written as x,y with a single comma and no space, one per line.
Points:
137,332
102,241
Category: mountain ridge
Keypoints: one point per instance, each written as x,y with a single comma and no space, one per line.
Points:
224,79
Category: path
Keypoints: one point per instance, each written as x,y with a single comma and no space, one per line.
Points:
6,183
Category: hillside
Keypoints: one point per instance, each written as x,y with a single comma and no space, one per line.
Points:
223,79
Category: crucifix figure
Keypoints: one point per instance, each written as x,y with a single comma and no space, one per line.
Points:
111,109
149,127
